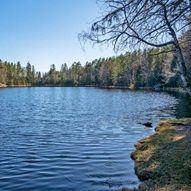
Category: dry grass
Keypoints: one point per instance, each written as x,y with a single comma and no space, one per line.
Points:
163,160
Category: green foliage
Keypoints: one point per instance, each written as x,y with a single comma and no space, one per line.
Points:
142,68
15,75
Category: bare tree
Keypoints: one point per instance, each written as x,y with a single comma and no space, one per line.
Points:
129,23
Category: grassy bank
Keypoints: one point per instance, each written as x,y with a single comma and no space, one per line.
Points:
163,160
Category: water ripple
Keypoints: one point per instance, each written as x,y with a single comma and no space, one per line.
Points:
74,138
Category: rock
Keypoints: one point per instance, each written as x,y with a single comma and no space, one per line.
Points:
147,124
3,85
126,189
132,87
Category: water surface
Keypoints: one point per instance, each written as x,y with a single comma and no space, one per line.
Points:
74,138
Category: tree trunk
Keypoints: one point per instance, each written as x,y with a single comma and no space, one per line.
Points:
180,59
181,65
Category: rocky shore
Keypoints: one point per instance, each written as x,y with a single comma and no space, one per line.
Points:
163,160
14,86
3,85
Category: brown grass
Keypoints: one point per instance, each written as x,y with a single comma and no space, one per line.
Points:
163,160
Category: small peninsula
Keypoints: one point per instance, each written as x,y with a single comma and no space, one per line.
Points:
162,160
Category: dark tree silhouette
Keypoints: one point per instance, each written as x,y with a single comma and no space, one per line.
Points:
157,23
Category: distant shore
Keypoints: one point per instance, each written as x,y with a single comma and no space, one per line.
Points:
163,160
161,89
169,89
13,86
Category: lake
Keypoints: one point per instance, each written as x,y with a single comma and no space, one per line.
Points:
76,138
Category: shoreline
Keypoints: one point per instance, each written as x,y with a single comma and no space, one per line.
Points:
163,160
162,89
3,85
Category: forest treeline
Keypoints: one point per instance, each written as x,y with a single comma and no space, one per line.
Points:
143,68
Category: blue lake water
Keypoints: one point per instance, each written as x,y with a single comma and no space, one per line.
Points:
75,138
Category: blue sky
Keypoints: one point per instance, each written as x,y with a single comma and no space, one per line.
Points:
44,32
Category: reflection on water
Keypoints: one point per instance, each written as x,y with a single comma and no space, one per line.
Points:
75,138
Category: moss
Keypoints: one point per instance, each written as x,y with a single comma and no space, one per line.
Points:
163,160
